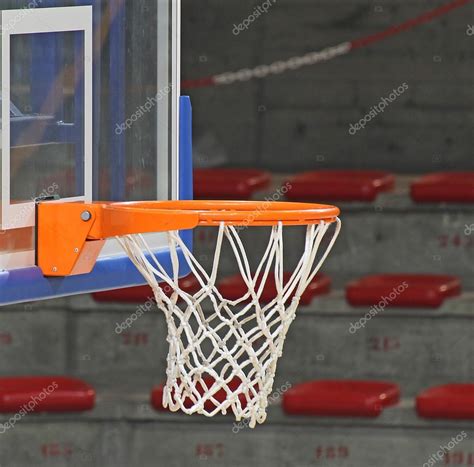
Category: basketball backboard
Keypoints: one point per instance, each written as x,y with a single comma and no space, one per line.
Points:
90,111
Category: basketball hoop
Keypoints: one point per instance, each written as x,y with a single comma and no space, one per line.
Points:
223,354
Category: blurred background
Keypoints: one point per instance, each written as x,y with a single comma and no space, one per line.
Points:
378,368
299,120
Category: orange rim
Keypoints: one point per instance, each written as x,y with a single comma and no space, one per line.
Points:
239,213
70,236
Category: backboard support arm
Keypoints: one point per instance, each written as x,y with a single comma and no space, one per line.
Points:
70,236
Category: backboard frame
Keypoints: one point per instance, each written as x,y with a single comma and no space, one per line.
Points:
37,21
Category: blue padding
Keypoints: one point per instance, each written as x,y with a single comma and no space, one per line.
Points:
185,149
29,284
186,159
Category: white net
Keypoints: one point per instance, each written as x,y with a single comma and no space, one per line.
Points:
223,354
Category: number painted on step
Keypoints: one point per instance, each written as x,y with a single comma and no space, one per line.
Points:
135,339
331,452
6,338
384,344
456,241
209,451
459,458
50,450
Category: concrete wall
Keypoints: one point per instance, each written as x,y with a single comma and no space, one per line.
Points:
300,120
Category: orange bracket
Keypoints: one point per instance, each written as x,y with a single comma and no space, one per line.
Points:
70,236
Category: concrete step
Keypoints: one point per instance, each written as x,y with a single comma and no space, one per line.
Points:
390,234
329,339
132,437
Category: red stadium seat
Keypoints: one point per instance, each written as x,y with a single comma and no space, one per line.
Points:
144,293
340,185
340,398
444,187
45,394
403,290
237,184
234,287
451,402
220,396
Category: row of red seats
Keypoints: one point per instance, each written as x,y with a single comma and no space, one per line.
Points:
334,185
352,398
370,398
419,290
316,398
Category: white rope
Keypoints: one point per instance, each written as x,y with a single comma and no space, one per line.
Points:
282,66
222,347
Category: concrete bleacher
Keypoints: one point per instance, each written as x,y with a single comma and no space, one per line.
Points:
392,234
415,346
124,430
412,347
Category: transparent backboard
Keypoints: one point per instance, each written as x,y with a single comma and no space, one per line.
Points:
90,110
